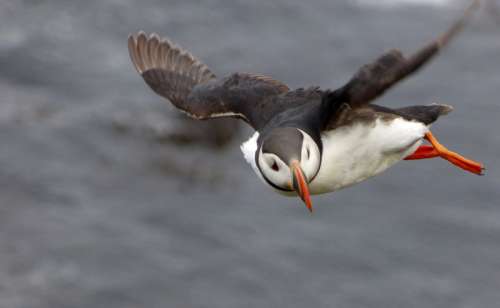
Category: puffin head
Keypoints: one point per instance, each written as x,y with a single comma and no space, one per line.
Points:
289,159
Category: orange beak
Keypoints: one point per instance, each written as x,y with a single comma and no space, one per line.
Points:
300,184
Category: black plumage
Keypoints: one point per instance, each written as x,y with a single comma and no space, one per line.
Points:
266,103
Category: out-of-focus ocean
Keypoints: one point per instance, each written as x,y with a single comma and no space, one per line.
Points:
110,198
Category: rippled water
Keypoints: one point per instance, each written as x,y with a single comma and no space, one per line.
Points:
108,198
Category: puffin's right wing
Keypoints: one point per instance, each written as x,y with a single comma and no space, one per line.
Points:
372,80
175,74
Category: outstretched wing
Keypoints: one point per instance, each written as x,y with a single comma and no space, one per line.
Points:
372,80
177,75
168,69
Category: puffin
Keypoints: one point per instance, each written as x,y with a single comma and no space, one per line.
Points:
308,141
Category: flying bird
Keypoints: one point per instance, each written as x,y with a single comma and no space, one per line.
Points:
307,140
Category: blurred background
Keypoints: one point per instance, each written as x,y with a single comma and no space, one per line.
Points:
110,198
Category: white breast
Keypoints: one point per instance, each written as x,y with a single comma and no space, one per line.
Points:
357,152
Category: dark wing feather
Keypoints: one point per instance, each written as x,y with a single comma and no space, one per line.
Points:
247,96
175,74
168,69
374,79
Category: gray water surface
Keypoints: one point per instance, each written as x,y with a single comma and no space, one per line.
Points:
109,198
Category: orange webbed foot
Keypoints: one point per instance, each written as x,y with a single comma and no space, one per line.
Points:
438,150
455,158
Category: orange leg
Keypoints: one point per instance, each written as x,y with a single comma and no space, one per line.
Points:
437,149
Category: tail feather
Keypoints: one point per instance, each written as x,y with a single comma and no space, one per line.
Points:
426,114
443,108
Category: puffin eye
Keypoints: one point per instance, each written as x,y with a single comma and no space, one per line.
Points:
308,153
275,166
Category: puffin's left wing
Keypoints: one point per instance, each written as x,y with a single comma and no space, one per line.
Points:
372,80
189,85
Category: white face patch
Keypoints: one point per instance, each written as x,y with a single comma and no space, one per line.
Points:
311,157
275,170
